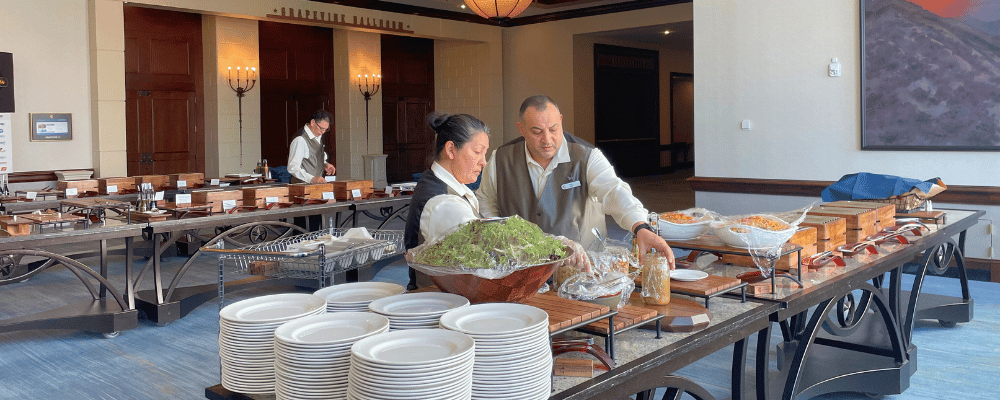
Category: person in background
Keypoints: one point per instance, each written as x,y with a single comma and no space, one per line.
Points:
306,157
561,183
441,199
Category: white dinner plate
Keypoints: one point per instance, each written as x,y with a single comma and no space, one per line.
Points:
418,304
688,275
494,318
273,308
421,370
358,293
328,329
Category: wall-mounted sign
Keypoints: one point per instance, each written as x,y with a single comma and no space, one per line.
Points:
47,127
325,18
6,145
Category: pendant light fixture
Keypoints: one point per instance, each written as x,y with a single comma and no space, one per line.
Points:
498,10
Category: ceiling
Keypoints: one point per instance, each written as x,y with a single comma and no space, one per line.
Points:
537,7
681,35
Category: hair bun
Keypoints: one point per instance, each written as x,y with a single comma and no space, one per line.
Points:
435,120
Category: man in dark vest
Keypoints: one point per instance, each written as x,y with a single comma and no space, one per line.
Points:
561,183
306,158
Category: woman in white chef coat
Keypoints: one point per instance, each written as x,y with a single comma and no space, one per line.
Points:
441,200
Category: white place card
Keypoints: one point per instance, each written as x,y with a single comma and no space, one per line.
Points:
183,198
356,193
269,200
228,204
330,178
215,182
71,192
182,184
327,195
112,189
31,195
224,184
158,196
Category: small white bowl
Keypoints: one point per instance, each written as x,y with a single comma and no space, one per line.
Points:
750,237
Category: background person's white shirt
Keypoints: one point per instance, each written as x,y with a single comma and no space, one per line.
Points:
605,186
298,150
444,212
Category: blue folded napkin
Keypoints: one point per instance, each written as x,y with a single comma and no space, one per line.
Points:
864,185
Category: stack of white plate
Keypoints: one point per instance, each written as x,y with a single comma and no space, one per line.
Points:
356,296
413,364
313,354
417,310
246,337
513,355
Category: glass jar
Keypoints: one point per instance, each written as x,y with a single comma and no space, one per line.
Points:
656,279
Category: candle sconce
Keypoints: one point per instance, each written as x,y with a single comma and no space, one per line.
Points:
243,85
368,90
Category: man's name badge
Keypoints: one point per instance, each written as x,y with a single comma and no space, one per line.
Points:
568,186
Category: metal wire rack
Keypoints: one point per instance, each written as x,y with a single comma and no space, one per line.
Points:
309,256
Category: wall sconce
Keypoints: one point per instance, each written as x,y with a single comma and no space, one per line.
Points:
369,90
3,81
243,85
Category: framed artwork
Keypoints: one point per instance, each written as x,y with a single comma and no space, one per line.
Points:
51,127
930,75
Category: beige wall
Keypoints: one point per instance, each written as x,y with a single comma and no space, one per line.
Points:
230,42
539,58
468,80
670,60
356,53
52,74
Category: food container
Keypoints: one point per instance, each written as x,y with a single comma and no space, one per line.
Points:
299,191
683,225
121,184
656,280
15,226
191,179
81,186
517,287
343,190
746,233
215,198
257,196
159,182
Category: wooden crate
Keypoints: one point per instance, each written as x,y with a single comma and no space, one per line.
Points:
804,236
856,218
123,184
826,227
159,182
192,179
215,197
832,244
858,235
883,211
15,226
785,262
81,186
342,190
308,190
256,196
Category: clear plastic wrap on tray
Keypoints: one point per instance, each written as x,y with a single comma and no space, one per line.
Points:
609,281
762,234
683,224
489,249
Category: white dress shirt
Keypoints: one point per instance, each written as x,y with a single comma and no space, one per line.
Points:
605,187
298,150
445,211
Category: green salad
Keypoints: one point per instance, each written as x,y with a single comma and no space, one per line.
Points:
488,244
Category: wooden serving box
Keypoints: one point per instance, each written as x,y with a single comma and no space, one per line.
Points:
192,179
256,196
826,227
215,198
342,190
81,186
883,211
123,183
804,236
299,191
16,226
856,218
831,244
159,182
858,235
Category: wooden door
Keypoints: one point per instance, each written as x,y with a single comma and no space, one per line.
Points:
681,120
163,92
161,129
627,108
296,79
408,149
407,99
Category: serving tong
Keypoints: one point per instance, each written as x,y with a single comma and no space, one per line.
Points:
891,234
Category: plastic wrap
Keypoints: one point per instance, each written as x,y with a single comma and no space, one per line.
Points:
656,279
684,224
489,249
609,281
763,234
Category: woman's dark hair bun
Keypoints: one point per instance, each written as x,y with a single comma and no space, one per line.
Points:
435,120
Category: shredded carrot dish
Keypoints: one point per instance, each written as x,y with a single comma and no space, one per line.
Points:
677,218
762,223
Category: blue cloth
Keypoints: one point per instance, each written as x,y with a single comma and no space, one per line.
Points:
280,174
864,185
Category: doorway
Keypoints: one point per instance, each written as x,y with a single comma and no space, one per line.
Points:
626,108
164,93
296,79
407,98
681,120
